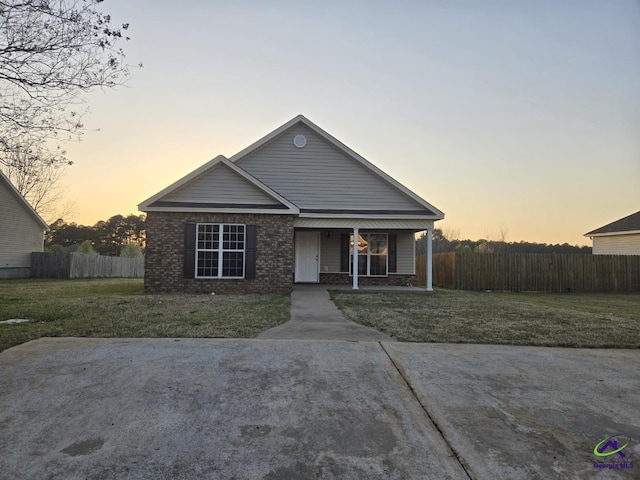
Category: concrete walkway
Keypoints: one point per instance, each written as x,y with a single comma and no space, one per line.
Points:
315,317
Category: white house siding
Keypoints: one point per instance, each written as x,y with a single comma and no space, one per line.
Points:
20,233
330,252
221,185
617,245
320,176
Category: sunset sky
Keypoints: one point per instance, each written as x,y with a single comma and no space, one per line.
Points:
520,115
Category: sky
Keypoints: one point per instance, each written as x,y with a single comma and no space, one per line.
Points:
513,117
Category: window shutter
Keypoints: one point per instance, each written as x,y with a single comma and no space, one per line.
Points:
250,251
189,266
393,252
344,252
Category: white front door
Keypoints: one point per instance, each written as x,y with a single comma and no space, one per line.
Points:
307,257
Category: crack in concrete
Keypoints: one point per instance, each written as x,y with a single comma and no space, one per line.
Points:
403,375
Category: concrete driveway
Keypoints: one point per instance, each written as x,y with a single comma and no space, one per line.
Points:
288,409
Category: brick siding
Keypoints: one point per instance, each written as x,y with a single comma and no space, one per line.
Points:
165,253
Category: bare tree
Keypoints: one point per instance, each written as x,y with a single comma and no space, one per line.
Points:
51,52
36,173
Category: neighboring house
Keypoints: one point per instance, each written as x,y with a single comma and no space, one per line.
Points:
21,232
621,237
285,210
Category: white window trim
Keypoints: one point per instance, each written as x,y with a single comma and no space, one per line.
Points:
220,250
370,255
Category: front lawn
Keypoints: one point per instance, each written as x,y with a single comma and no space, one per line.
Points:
119,308
548,319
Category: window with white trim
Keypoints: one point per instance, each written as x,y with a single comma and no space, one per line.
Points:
373,254
220,250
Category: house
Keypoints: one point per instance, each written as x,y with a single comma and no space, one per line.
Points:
621,237
21,232
285,210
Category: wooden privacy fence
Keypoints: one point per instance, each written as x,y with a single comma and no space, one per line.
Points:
534,272
79,265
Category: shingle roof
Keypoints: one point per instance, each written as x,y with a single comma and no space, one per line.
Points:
627,224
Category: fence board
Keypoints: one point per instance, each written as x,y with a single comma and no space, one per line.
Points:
534,272
78,265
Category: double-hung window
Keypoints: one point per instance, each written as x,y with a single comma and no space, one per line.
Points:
373,254
220,250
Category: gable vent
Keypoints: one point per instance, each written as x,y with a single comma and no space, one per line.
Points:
300,141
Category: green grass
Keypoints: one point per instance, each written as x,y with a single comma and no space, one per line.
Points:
571,320
119,308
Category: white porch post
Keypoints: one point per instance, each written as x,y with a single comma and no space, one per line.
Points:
355,258
429,261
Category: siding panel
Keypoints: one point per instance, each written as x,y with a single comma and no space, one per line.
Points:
617,245
405,262
321,176
20,234
329,253
221,185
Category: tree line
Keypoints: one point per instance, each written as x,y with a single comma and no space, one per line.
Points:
117,236
443,243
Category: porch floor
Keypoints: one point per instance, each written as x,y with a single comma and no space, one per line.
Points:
382,288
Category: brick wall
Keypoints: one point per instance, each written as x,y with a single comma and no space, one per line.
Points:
165,252
392,280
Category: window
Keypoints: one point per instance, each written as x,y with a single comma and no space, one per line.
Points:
372,254
220,250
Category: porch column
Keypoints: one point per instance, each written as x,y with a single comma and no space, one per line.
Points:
355,258
429,261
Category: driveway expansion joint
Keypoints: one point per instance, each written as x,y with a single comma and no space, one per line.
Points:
450,447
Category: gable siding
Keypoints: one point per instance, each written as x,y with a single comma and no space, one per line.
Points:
617,245
320,176
20,234
221,185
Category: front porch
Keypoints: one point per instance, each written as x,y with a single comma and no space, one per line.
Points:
385,257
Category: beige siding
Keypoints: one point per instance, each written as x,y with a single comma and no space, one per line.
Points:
405,259
330,253
617,245
20,233
321,176
221,185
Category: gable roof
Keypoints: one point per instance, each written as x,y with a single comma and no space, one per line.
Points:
413,204
322,177
218,186
626,225
23,202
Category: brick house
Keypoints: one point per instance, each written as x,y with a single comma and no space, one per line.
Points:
285,210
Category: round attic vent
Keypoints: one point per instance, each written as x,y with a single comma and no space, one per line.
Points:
299,141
